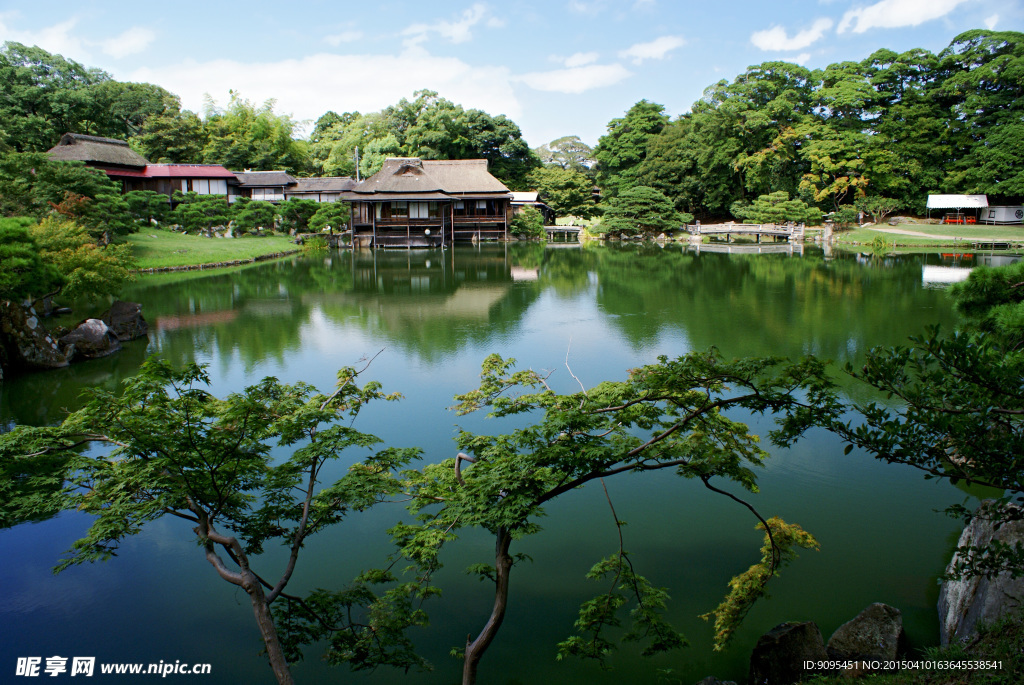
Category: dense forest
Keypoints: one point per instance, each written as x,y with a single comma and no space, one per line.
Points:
894,126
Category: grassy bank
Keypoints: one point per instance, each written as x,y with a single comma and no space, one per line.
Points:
156,249
1002,643
920,235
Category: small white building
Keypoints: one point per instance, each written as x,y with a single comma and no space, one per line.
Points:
1002,215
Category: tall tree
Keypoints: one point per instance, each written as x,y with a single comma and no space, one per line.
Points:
620,151
246,136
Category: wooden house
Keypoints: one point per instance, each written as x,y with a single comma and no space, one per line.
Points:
414,202
531,198
267,186
202,179
323,189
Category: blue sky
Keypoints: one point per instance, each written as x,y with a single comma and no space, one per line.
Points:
556,67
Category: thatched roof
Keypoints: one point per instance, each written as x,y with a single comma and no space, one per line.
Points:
96,150
326,184
264,179
464,176
414,178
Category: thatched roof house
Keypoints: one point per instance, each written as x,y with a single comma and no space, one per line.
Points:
425,202
110,155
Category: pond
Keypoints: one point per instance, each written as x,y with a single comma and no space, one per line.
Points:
433,317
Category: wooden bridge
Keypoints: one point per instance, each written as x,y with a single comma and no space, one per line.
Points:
791,232
568,232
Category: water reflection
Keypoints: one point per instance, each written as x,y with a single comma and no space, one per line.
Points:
440,313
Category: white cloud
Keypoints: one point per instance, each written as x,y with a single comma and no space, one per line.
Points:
656,49
337,39
575,80
306,88
131,42
587,6
457,31
802,59
992,22
776,38
580,59
57,39
891,14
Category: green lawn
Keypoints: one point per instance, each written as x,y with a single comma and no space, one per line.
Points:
961,234
155,248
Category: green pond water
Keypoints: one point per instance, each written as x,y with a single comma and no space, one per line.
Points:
434,316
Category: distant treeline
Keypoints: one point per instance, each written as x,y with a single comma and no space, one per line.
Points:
895,126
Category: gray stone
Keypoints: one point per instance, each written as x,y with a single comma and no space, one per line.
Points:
126,320
874,634
26,347
966,602
779,655
92,339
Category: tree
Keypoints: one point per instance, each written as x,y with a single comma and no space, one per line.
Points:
87,269
173,136
776,208
147,206
641,210
195,212
170,448
527,222
567,152
878,207
42,96
295,214
567,191
247,136
24,273
333,215
668,415
31,183
254,215
624,147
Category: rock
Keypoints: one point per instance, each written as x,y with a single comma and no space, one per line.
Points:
126,321
25,341
965,603
779,655
874,634
92,339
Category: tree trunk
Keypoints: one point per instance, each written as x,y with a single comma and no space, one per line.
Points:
503,567
268,631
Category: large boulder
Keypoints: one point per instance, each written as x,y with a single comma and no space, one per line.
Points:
92,339
875,634
780,655
26,343
126,321
966,602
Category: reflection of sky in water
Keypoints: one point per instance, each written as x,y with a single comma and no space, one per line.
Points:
602,311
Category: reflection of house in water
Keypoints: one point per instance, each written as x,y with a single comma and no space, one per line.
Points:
952,270
941,276
173,323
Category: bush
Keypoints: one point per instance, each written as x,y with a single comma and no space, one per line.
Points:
332,214
527,222
641,209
